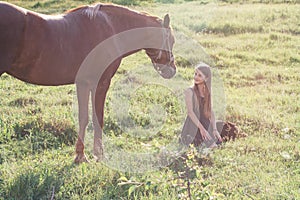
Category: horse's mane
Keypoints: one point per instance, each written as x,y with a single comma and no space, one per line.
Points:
76,9
91,10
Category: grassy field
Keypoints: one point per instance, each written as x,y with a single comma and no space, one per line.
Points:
255,49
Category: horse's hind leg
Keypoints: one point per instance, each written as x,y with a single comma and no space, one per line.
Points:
98,100
98,95
83,93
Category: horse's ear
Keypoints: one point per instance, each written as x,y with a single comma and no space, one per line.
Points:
166,22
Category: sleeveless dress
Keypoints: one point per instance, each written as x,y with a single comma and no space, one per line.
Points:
190,133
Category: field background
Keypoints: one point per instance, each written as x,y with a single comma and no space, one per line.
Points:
254,46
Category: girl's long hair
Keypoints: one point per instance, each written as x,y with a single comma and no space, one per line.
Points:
205,69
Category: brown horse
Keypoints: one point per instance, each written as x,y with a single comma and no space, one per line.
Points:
83,46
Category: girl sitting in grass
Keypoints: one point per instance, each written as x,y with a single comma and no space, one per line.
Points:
200,124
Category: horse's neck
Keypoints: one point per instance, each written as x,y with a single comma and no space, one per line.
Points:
122,19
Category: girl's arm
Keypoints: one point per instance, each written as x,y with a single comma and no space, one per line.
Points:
214,126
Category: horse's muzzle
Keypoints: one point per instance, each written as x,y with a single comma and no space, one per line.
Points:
166,71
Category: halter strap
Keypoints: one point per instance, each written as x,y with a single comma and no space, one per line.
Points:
165,45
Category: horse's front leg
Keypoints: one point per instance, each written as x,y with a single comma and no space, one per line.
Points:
83,93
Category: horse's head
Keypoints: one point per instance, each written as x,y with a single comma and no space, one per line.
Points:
162,58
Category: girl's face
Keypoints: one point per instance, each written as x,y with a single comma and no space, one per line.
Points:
199,77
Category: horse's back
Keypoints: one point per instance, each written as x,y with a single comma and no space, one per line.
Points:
12,23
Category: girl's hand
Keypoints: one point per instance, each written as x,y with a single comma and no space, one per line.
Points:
205,134
217,134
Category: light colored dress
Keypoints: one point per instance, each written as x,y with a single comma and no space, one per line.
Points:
190,133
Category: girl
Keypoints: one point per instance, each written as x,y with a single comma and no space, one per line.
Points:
200,124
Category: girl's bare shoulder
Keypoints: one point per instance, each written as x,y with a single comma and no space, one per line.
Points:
189,91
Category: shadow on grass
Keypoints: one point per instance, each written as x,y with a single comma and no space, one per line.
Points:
65,181
37,185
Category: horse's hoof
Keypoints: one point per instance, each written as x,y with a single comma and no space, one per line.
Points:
98,153
81,159
98,157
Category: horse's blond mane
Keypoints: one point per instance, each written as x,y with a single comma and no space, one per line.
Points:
142,13
75,9
91,10
88,10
